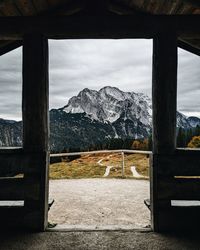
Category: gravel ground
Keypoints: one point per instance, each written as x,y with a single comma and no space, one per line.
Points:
99,202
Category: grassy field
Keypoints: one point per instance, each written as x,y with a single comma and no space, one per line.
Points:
87,166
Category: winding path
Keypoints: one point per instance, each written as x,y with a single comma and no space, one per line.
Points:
107,172
108,168
135,172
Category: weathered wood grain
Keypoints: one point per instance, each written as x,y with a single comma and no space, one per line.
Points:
35,109
164,93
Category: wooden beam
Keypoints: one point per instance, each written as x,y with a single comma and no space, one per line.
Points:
164,93
12,216
35,94
12,189
178,189
169,165
106,26
9,46
188,47
194,3
179,219
11,162
11,150
35,109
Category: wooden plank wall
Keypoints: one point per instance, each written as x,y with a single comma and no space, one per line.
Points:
11,188
32,161
171,169
17,188
177,179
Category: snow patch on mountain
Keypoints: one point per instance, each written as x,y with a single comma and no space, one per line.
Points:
109,104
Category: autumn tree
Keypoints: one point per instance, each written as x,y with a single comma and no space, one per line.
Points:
195,142
136,144
140,144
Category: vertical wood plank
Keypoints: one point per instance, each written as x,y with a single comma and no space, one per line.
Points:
35,102
35,110
164,93
164,101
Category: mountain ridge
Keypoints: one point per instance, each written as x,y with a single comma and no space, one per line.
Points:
95,116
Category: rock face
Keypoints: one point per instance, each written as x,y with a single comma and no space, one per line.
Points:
128,113
94,116
110,104
10,133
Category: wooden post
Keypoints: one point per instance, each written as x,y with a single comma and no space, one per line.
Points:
122,164
35,108
164,95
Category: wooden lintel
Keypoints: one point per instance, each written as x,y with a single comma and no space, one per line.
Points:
107,26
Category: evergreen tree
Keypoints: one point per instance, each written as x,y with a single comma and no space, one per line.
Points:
189,135
181,138
150,146
197,131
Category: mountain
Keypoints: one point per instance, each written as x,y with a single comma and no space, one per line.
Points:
193,121
93,116
10,133
109,104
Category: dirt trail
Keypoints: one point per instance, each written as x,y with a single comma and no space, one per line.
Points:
99,202
108,168
135,173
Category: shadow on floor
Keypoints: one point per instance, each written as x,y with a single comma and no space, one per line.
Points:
15,240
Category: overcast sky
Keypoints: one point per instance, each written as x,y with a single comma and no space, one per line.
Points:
77,64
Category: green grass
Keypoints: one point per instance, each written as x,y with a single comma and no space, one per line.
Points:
87,167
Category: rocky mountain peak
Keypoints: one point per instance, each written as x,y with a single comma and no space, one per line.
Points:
110,104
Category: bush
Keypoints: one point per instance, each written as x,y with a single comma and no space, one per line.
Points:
195,142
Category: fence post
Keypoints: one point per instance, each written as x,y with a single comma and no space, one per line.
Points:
122,164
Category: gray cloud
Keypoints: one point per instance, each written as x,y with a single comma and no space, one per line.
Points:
188,83
96,63
76,64
11,85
